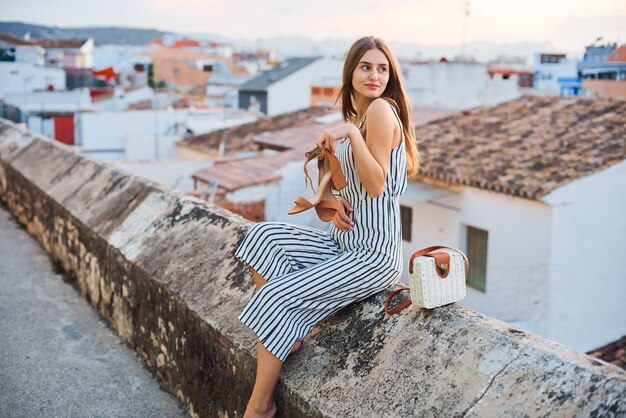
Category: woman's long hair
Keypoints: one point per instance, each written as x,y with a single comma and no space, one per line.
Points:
395,93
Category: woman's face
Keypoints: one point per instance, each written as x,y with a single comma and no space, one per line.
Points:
371,75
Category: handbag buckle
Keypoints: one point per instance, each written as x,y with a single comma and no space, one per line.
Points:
444,268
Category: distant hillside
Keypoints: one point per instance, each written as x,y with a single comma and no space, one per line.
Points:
100,35
295,45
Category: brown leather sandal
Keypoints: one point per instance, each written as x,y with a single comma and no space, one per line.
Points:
330,177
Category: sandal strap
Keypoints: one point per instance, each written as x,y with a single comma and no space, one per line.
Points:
303,202
328,204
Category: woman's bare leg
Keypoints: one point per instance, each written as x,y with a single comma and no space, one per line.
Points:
261,402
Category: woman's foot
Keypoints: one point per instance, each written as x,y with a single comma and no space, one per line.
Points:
296,346
258,413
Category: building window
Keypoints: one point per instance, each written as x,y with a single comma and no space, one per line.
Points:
477,256
406,217
207,68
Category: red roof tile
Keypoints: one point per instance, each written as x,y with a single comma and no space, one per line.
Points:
7,37
618,56
60,43
240,138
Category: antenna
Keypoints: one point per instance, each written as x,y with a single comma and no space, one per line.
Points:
465,18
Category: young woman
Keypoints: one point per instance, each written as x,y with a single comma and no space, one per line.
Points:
304,274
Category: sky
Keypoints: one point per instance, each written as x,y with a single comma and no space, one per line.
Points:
567,24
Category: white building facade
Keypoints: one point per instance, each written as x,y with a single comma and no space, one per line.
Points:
147,134
541,255
549,68
294,92
457,85
19,77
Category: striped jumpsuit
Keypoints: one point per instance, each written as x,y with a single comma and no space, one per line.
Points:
312,273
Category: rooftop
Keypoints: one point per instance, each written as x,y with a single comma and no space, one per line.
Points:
617,56
291,133
241,138
525,147
282,70
614,353
60,43
7,37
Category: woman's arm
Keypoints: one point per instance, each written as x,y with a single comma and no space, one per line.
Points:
372,158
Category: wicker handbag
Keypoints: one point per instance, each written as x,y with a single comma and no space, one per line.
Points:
436,278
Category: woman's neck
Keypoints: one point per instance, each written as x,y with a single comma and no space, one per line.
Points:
361,103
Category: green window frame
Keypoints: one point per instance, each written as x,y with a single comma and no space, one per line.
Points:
476,245
406,220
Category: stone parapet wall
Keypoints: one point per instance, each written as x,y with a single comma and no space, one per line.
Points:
160,270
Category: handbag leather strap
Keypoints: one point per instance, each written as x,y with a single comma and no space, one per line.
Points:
401,305
439,259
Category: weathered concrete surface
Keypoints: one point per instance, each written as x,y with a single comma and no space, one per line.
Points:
57,357
160,269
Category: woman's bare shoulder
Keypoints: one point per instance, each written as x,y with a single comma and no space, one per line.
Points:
379,111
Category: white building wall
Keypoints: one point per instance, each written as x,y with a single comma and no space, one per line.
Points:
51,101
545,75
118,56
518,248
145,134
294,92
498,90
17,77
44,126
252,194
457,85
588,278
122,99
30,54
175,174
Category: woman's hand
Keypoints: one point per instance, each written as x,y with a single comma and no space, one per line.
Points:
341,219
329,136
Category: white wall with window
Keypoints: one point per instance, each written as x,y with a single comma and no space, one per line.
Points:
547,71
506,238
553,267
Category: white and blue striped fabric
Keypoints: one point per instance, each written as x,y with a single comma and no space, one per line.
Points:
312,273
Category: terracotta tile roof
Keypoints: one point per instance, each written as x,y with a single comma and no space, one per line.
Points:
234,173
617,56
7,37
614,353
183,43
60,43
142,105
525,147
240,138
